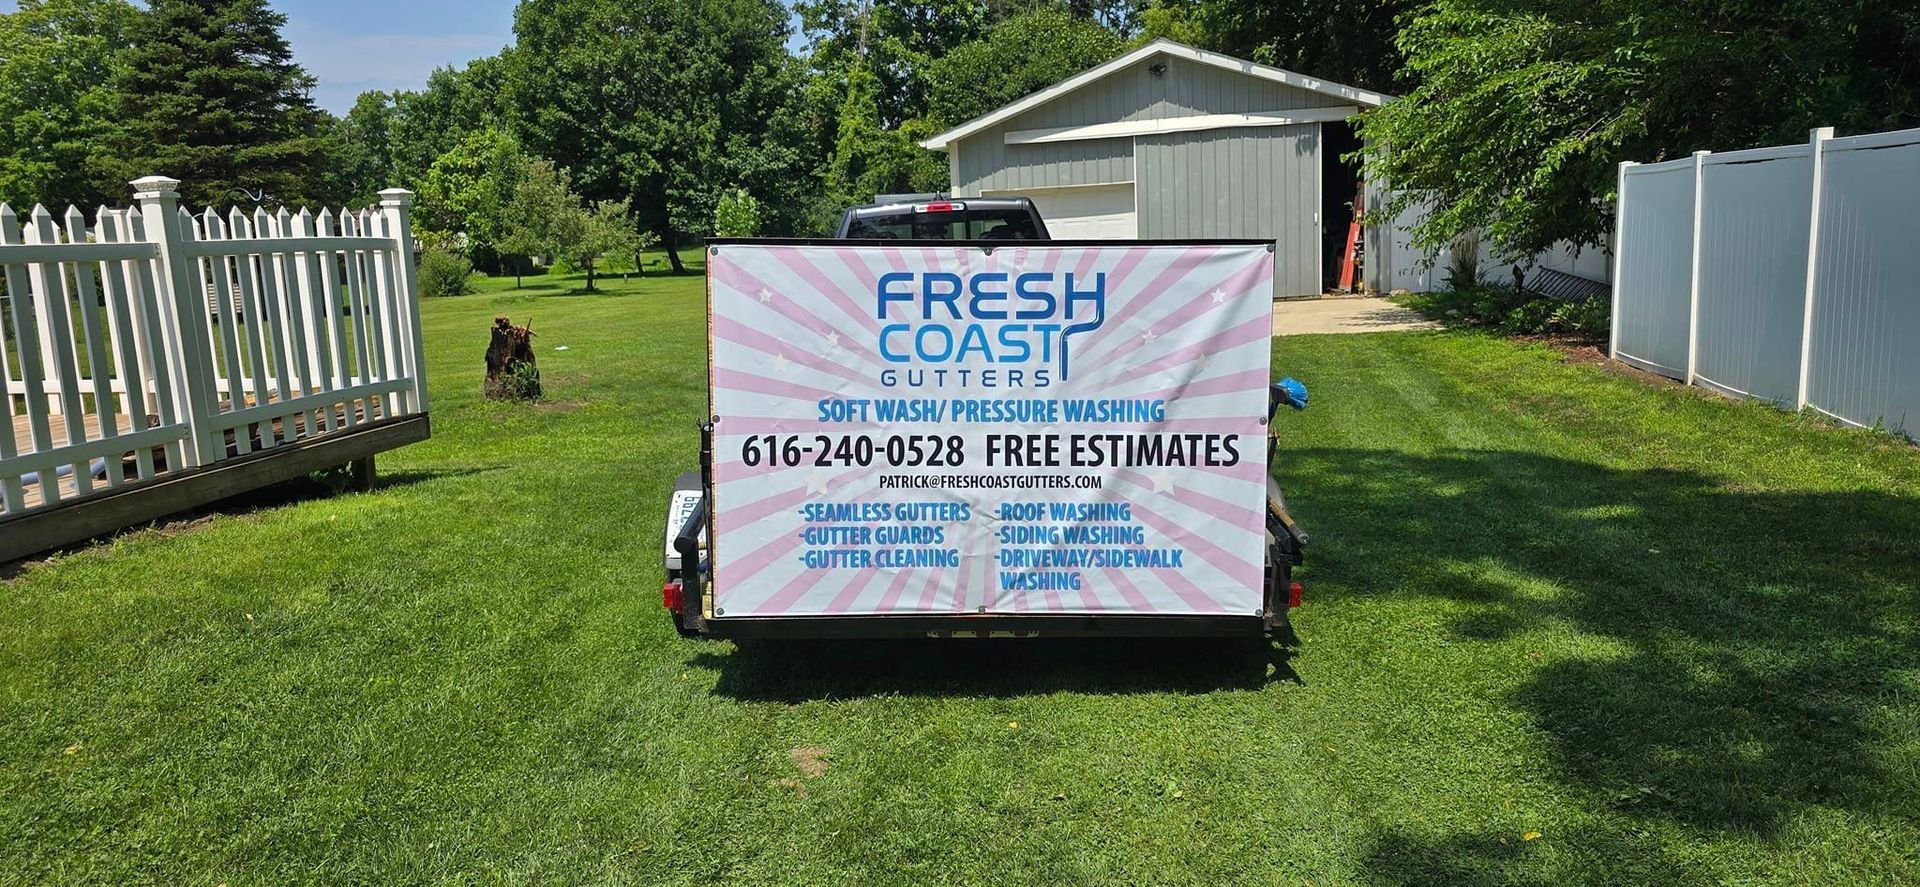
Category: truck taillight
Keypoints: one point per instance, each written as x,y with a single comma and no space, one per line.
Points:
673,596
1293,595
939,206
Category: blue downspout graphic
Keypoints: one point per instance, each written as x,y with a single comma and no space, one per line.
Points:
1099,317
1099,292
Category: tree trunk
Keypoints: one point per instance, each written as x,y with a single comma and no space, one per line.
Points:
511,371
673,255
589,277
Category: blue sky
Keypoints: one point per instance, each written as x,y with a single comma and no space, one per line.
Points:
352,46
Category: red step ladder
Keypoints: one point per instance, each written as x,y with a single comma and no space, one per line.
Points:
1352,250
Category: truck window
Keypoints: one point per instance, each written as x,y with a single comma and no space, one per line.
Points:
969,224
1000,224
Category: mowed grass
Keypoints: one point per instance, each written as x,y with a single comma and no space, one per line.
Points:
1562,626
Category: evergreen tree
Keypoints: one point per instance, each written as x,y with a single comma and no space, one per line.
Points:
211,96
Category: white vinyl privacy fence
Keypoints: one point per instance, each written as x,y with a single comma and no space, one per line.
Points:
1782,273
146,340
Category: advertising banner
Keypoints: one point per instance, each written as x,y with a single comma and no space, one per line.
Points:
956,429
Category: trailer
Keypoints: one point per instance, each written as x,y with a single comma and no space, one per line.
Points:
985,438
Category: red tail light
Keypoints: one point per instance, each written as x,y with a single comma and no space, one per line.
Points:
673,597
1293,595
941,206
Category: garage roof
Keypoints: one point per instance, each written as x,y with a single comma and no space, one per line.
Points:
1168,47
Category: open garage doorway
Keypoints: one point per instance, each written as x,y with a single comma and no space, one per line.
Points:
1339,191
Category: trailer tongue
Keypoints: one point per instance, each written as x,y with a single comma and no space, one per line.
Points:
977,438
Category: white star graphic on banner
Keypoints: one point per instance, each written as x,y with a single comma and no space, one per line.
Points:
1150,336
833,339
1219,296
1162,481
766,296
817,481
780,363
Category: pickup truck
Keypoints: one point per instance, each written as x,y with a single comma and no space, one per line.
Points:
938,217
944,424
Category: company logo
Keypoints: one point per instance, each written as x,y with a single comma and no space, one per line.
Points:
940,318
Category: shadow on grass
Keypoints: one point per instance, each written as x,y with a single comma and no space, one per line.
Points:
1726,659
1765,641
799,671
267,498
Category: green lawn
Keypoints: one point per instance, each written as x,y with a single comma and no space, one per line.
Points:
1676,637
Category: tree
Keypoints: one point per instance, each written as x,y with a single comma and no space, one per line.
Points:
1023,54
360,151
868,159
58,63
1523,108
661,103
894,41
467,190
587,235
738,215
894,73
210,95
1346,41
537,216
454,104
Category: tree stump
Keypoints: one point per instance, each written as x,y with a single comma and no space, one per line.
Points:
511,371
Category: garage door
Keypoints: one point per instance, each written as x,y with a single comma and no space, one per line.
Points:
1103,212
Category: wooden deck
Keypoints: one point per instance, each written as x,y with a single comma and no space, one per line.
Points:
70,488
77,517
23,438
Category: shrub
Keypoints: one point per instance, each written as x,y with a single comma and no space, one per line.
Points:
445,273
522,382
1510,311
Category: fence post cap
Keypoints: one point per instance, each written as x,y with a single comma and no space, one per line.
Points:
155,186
396,197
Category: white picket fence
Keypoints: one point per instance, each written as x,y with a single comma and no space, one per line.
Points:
1780,273
154,340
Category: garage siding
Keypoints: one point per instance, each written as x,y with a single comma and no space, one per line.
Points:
987,163
1187,89
1243,182
1261,181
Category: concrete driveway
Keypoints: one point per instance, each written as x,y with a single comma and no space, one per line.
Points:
1293,317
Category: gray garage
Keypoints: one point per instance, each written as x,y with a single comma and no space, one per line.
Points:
1169,141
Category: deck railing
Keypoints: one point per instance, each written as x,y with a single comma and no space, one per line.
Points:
154,340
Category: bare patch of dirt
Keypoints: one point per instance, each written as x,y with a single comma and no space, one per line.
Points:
1586,352
811,759
789,783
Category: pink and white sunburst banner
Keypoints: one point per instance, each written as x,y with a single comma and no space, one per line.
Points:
920,430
